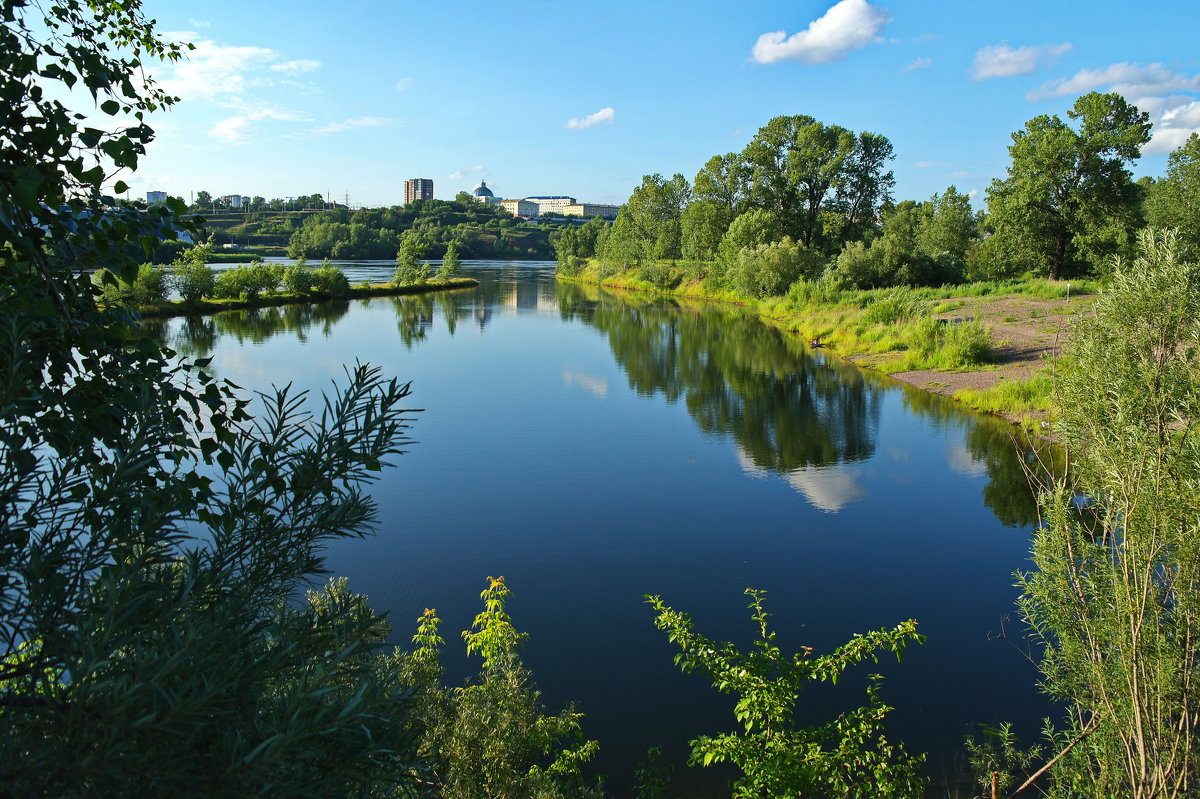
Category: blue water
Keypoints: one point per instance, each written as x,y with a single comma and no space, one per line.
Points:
593,448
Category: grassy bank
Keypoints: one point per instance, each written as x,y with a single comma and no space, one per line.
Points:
181,308
906,330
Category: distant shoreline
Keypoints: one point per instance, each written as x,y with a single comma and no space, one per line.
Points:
173,308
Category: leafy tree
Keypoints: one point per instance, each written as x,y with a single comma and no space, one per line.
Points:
823,183
724,180
1068,200
1115,599
848,757
949,225
154,538
1174,201
449,268
409,268
648,225
203,200
702,226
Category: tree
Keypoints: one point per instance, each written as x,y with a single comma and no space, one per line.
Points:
724,180
154,539
1068,201
823,183
449,268
410,270
1174,201
949,226
203,200
1115,599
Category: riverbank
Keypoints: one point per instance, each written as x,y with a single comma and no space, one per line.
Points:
202,307
1025,325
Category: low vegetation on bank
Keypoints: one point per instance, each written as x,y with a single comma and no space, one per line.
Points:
201,289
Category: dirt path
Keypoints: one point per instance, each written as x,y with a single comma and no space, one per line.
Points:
1027,331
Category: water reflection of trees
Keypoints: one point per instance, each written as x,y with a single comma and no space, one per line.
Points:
788,411
737,377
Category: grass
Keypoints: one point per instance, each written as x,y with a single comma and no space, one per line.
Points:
1015,399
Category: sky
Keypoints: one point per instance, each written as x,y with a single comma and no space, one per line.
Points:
549,97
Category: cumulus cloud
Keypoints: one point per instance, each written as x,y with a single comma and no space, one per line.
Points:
199,23
232,129
602,117
212,71
848,26
918,63
297,66
459,174
1002,61
404,83
351,124
1129,80
1167,95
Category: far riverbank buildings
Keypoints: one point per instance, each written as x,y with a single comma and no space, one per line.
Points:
418,189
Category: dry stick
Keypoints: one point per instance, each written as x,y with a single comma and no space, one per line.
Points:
1091,726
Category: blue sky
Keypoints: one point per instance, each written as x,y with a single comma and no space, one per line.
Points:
583,99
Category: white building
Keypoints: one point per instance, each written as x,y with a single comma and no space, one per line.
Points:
520,207
592,209
153,197
552,205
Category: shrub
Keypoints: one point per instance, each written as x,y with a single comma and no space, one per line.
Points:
769,269
658,274
822,291
330,280
248,281
149,287
297,279
193,279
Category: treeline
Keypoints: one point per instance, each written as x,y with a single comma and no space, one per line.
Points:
480,230
810,201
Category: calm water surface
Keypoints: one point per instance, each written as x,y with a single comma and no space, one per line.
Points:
594,447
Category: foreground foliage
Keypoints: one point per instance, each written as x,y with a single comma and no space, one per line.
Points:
1116,598
847,757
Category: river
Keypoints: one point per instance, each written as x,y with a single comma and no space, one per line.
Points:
594,447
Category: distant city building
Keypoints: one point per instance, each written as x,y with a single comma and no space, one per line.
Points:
555,204
418,189
483,194
153,197
520,207
237,200
591,209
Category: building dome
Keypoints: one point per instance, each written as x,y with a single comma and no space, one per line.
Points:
482,190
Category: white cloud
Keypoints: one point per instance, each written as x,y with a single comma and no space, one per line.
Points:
601,117
213,70
199,23
1129,80
459,174
848,26
297,66
232,129
918,63
1168,96
1002,61
403,84
350,124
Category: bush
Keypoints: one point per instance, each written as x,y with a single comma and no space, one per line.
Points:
822,291
769,269
247,282
330,280
194,280
149,287
297,279
659,274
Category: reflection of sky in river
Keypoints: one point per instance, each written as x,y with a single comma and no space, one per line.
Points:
591,463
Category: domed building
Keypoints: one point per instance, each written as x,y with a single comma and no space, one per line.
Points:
483,194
